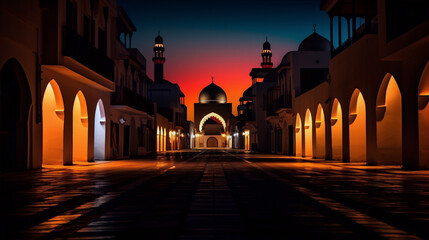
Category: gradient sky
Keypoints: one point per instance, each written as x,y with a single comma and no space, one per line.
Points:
220,38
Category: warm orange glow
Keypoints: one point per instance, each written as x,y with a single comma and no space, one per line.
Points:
357,121
337,130
298,136
389,122
80,129
424,117
308,134
53,124
320,132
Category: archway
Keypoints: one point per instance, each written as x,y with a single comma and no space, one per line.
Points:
423,99
15,102
158,139
320,132
212,142
80,129
337,130
298,136
99,131
308,132
357,128
211,116
389,122
53,124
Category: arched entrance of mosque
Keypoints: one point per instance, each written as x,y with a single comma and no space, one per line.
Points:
15,102
212,142
214,116
357,128
320,132
80,129
389,122
423,99
298,136
337,130
53,124
99,131
308,132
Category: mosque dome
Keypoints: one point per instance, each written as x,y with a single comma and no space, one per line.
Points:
315,42
212,94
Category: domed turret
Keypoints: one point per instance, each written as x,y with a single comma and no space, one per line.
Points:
212,94
266,55
315,42
159,40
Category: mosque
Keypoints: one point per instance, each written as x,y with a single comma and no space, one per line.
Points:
211,116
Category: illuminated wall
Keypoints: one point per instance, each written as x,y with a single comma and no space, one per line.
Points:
99,131
423,100
308,130
298,136
337,130
80,128
53,124
158,139
357,128
389,122
320,132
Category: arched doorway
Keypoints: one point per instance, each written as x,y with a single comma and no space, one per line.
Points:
212,142
15,102
320,132
389,122
357,128
308,132
80,129
214,116
298,136
99,131
337,130
423,100
53,124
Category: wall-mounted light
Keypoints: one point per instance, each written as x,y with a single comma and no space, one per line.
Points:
122,120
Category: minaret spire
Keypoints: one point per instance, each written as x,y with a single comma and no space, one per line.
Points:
314,27
266,54
212,79
159,58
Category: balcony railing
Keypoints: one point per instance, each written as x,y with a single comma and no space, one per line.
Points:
82,51
124,96
360,32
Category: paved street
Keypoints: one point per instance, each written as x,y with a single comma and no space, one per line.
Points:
215,195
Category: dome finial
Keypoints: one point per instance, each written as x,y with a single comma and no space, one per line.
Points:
266,38
212,79
314,27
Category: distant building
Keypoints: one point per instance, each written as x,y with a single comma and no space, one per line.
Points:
132,113
252,111
211,115
170,104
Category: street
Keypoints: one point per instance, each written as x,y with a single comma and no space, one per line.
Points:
215,194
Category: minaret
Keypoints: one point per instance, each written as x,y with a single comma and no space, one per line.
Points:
266,55
159,59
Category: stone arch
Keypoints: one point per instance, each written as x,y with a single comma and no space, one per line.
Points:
99,131
337,130
423,100
357,128
212,114
298,136
308,132
389,122
15,103
53,124
320,132
80,128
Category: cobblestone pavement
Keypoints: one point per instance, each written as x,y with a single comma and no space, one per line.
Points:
215,195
